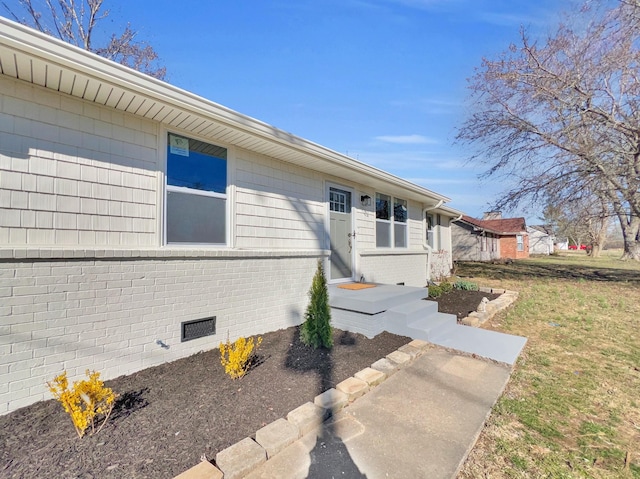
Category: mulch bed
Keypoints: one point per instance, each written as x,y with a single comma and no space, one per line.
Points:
461,302
170,415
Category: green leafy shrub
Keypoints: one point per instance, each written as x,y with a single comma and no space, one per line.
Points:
466,285
445,287
316,329
435,291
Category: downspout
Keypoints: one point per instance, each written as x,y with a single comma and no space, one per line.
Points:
453,221
425,245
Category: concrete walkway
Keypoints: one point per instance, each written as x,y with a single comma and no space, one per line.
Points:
419,423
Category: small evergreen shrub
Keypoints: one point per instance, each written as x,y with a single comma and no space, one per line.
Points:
316,329
85,402
236,358
466,285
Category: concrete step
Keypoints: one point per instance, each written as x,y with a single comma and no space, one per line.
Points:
501,347
434,325
418,319
411,311
374,300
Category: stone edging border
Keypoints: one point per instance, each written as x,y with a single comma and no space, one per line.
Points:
238,460
490,309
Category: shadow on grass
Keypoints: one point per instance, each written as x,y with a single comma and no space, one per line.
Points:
522,270
329,457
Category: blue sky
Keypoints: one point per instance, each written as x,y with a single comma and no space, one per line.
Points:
383,81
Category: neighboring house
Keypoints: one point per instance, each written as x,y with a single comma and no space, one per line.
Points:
140,223
541,240
561,244
490,238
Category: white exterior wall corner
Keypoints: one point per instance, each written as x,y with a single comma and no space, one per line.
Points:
108,314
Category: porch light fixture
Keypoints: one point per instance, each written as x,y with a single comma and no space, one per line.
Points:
365,200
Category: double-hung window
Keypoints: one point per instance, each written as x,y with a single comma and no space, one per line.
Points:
196,192
391,222
399,223
430,232
383,221
520,241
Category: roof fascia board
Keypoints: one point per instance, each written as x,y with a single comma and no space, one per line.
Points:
478,227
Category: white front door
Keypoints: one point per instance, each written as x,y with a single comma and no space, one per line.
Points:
340,234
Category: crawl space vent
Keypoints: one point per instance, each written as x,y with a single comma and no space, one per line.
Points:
198,328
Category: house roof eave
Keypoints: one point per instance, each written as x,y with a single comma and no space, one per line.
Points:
32,56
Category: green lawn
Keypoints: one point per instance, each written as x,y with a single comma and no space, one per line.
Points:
572,407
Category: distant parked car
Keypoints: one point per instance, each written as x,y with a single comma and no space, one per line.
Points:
575,246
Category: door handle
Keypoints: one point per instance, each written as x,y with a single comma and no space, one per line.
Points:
350,236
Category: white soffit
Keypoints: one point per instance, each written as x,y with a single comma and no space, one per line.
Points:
34,57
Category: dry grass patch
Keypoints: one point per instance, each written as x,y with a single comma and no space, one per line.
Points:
572,408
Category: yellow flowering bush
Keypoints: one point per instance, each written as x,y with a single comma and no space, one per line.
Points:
85,401
236,357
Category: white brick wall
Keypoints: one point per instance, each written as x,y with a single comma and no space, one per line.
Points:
106,314
440,265
392,267
73,173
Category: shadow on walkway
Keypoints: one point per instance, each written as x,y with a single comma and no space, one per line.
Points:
330,457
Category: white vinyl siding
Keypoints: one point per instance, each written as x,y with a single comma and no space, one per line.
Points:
74,174
277,205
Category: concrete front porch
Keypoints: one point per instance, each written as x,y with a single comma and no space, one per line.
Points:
403,310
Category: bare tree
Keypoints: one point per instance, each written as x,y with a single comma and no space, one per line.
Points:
74,21
563,118
582,221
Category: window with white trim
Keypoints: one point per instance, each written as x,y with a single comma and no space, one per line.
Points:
400,214
391,222
196,192
520,240
339,200
430,232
